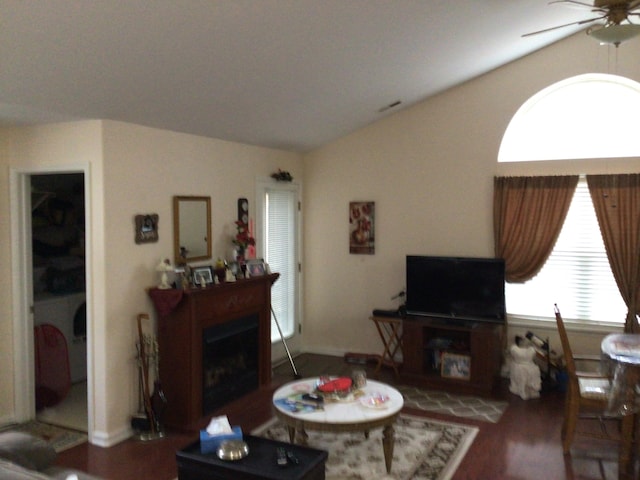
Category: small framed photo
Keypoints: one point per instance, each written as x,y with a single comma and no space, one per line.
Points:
146,228
255,267
202,274
454,365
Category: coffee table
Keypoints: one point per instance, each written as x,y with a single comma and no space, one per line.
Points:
348,415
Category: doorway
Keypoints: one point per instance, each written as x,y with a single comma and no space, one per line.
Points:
59,298
25,199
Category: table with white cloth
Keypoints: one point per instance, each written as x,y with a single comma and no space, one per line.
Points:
621,352
348,415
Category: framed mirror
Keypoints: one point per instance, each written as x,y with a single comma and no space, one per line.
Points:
191,228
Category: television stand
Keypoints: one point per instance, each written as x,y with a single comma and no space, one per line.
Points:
429,340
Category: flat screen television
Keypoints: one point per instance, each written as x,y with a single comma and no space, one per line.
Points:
456,288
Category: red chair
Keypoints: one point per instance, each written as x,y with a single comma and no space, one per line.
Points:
53,374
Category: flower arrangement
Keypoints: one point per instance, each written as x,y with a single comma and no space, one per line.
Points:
243,237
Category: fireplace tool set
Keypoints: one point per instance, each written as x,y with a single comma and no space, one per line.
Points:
148,421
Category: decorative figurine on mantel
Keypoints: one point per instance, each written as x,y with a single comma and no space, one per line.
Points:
164,266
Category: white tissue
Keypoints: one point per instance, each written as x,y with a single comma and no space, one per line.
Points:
219,426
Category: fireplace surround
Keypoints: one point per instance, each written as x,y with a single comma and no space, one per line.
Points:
241,309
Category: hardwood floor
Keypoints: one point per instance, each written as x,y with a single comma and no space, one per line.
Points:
523,445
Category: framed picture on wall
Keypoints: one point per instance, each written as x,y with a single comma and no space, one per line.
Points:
454,365
146,228
362,228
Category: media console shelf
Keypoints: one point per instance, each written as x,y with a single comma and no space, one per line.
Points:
426,338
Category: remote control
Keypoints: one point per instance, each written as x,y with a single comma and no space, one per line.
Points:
281,457
292,458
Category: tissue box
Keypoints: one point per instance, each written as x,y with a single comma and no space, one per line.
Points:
210,443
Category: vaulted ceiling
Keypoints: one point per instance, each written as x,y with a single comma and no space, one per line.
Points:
290,74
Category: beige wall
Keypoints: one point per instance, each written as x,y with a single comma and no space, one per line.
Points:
430,171
143,169
133,170
50,147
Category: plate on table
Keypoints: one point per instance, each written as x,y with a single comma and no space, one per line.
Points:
375,400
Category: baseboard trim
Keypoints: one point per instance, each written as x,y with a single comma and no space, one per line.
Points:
106,439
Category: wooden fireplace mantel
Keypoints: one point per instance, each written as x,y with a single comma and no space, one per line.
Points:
180,333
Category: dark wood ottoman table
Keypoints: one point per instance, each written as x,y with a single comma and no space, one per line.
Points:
260,464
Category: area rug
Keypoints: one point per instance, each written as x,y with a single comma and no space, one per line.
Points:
58,437
425,449
464,406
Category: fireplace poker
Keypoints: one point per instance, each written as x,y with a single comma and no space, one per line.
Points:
293,365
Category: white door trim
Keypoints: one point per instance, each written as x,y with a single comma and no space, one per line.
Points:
22,285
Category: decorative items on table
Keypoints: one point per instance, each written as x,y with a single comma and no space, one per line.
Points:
218,431
149,426
164,267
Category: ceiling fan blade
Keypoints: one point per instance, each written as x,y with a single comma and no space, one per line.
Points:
581,22
633,5
572,2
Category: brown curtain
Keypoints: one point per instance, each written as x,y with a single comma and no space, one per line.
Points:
616,199
528,213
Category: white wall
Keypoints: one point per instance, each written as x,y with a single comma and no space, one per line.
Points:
430,170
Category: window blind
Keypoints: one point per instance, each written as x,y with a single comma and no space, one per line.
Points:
280,254
577,275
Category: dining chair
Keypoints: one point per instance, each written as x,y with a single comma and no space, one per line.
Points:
587,393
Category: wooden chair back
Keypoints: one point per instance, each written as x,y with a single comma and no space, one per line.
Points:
566,346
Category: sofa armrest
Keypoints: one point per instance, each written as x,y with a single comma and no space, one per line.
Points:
26,450
63,473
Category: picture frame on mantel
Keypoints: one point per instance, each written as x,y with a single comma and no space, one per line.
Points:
146,228
255,267
199,274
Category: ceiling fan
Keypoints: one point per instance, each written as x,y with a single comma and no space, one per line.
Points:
615,14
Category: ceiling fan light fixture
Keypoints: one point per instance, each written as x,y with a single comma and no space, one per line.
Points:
614,34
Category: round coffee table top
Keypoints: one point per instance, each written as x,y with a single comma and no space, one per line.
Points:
377,404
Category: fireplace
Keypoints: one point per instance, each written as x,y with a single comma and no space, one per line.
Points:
215,346
229,361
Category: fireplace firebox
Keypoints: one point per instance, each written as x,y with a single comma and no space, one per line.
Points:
229,362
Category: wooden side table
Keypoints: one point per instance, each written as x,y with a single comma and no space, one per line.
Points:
390,330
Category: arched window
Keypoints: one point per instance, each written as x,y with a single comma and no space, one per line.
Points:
588,116
584,117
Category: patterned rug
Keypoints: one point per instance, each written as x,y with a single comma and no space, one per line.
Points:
59,438
477,408
425,449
